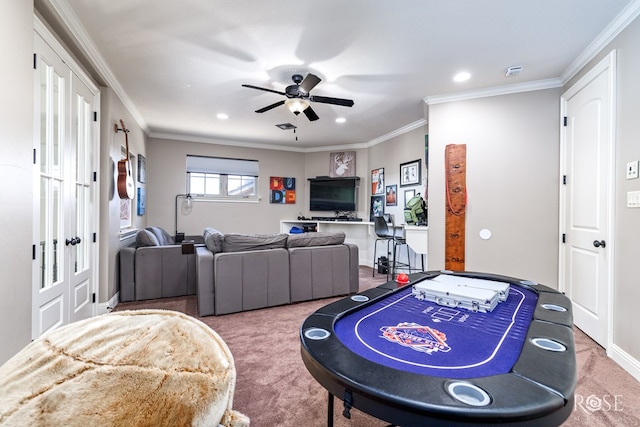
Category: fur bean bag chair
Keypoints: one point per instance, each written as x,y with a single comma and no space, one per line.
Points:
129,368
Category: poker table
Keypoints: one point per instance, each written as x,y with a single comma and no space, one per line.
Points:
413,362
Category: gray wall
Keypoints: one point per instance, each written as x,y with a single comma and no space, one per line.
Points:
166,174
626,290
389,155
112,110
166,177
512,182
16,175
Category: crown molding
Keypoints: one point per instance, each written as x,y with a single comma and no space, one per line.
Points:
266,146
232,142
615,27
397,132
70,20
494,91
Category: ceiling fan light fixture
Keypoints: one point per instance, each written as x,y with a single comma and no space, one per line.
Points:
296,105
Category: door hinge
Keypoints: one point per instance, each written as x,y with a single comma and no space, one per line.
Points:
564,238
35,155
33,252
94,237
564,179
564,121
35,61
95,116
93,299
95,176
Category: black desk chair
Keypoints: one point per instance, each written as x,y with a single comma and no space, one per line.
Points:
382,231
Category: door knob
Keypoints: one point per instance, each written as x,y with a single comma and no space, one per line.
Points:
599,243
74,241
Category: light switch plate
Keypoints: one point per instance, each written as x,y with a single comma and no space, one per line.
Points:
632,170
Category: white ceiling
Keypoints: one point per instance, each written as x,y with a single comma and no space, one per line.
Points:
177,64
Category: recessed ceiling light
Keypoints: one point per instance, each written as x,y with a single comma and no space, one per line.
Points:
341,120
222,116
461,77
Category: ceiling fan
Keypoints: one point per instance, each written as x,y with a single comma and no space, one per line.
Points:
298,96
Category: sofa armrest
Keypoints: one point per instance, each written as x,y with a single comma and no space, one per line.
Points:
160,271
204,281
127,274
320,271
354,268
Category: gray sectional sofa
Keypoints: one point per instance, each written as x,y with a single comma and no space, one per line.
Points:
238,272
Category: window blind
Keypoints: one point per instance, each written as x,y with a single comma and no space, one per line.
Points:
222,166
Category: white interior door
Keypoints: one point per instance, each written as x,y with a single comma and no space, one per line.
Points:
82,202
588,163
65,203
51,284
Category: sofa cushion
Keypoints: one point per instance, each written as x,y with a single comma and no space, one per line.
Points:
146,238
234,242
214,239
315,239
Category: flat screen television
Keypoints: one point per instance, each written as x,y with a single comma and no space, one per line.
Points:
333,194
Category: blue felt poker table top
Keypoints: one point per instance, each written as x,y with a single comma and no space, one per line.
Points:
422,337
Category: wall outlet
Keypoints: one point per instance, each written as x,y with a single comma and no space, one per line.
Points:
632,170
633,199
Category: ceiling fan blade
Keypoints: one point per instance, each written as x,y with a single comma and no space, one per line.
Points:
311,115
335,101
265,89
309,82
269,107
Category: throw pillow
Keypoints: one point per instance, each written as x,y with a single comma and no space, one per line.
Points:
315,239
146,238
163,237
213,239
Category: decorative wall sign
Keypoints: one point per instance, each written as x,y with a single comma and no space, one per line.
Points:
377,181
282,190
392,195
377,207
410,173
142,201
342,164
142,168
454,219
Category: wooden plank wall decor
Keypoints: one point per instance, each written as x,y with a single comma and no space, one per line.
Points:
456,193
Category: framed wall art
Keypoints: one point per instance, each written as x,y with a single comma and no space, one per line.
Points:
408,195
410,173
392,195
377,181
342,164
282,190
142,168
377,207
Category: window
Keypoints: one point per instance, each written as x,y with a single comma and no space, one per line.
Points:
222,178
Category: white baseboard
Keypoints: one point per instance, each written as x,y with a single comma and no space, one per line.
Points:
622,358
104,308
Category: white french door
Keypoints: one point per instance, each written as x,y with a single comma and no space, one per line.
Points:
65,193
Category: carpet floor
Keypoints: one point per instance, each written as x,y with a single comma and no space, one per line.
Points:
274,388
